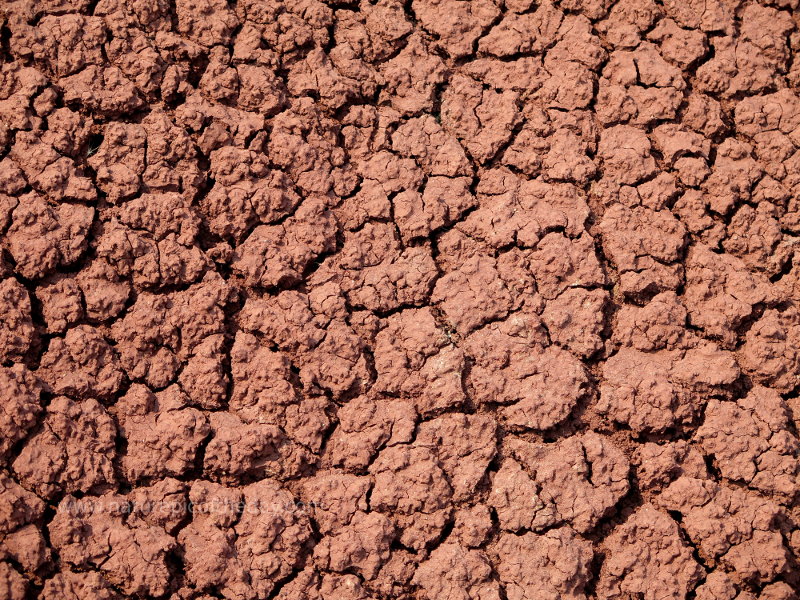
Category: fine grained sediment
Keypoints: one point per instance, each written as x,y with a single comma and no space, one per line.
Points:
424,299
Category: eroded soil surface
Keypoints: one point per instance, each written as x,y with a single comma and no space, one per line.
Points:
431,300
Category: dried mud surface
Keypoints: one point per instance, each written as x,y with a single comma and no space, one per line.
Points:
434,299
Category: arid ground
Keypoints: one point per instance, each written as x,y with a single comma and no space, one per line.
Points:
414,300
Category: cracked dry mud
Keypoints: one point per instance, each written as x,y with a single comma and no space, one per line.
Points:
422,300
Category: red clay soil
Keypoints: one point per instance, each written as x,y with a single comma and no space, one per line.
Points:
414,300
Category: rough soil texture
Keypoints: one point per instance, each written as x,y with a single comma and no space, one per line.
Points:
399,299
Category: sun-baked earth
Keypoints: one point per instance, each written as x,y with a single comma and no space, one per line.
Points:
422,300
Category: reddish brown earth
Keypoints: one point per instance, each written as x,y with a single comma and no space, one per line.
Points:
423,299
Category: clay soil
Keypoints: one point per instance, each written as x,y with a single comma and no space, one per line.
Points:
399,299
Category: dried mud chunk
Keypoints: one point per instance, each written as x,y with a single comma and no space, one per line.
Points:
92,533
104,292
104,90
712,16
163,504
16,327
312,585
457,573
659,324
247,559
778,112
119,161
391,172
171,157
627,21
483,119
581,478
12,181
260,90
437,151
456,24
639,87
681,46
160,330
577,42
642,243
161,215
244,195
560,263
73,452
68,585
362,546
513,210
420,531
203,377
732,177
42,237
27,548
648,558
71,42
473,295
275,255
262,392
241,450
652,392
660,465
750,441
556,93
575,320
415,359
770,350
731,525
625,152
409,480
334,498
472,525
304,143
168,227
20,507
132,254
261,385
48,171
539,386
552,565
22,389
516,499
567,157
373,34
207,22
366,425
442,203
163,436
20,543
750,63
526,73
721,292
377,273
81,364
755,236
674,142
523,33
67,131
704,114
464,446
338,365
323,79
12,585
289,320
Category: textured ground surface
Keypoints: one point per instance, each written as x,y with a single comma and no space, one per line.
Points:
445,300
